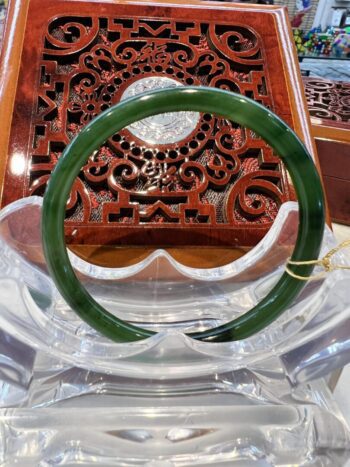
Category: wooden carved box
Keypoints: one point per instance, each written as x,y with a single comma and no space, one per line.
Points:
329,107
181,179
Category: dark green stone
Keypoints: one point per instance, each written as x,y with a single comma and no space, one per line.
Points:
230,106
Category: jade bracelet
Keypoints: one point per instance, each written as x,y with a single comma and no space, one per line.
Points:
225,104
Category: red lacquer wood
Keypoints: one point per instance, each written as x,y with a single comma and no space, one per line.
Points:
329,107
221,185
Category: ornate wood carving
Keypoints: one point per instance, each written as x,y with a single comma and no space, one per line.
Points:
214,183
329,107
328,100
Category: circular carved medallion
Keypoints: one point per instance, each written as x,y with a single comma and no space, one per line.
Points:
165,128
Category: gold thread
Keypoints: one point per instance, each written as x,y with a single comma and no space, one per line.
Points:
325,262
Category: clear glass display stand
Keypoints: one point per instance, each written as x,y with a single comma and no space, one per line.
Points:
71,397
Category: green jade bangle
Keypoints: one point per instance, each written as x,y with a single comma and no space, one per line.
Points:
201,99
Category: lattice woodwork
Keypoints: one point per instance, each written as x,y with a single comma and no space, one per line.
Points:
329,107
214,183
328,100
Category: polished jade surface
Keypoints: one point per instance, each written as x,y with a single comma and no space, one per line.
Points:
201,99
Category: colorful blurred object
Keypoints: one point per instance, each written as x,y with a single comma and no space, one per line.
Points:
298,19
302,8
302,5
298,39
341,45
334,42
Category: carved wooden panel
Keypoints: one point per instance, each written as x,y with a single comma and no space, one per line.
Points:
328,100
329,107
198,178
